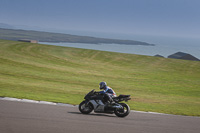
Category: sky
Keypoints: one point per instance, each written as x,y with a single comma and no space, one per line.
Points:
175,18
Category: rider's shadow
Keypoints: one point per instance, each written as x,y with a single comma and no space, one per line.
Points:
92,114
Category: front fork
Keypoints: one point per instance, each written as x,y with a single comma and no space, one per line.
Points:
86,102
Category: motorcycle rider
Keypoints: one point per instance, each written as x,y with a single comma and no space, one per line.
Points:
107,92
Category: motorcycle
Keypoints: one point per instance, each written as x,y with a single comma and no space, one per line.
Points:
95,101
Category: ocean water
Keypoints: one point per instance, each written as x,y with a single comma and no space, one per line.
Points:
164,50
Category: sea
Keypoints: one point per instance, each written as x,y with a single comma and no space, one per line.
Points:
164,46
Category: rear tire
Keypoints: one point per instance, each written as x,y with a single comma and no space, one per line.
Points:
122,112
85,109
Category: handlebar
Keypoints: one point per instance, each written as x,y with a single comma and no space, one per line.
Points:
96,92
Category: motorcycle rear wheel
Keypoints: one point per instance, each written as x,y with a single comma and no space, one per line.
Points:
122,112
85,109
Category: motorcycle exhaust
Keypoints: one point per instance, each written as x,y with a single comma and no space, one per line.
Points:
117,106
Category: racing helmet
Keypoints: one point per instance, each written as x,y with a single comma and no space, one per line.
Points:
102,85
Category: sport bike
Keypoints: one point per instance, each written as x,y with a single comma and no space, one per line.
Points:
95,101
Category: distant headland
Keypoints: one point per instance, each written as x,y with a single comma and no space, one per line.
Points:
18,34
181,55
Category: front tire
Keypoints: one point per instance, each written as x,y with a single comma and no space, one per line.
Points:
122,112
85,109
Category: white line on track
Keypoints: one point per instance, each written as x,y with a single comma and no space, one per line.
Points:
34,101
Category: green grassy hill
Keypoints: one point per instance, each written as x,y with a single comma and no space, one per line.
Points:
61,74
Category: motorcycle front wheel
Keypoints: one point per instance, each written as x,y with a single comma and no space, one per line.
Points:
85,109
122,112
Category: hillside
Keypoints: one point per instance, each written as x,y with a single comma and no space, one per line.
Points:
62,74
11,34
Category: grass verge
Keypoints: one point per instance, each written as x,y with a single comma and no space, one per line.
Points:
62,74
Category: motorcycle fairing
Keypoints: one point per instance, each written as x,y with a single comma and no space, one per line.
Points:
98,105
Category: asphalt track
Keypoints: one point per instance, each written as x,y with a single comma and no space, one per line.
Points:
22,117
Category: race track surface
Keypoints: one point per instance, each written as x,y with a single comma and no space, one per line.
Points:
22,117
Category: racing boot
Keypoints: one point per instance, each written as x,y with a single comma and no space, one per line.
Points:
111,103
